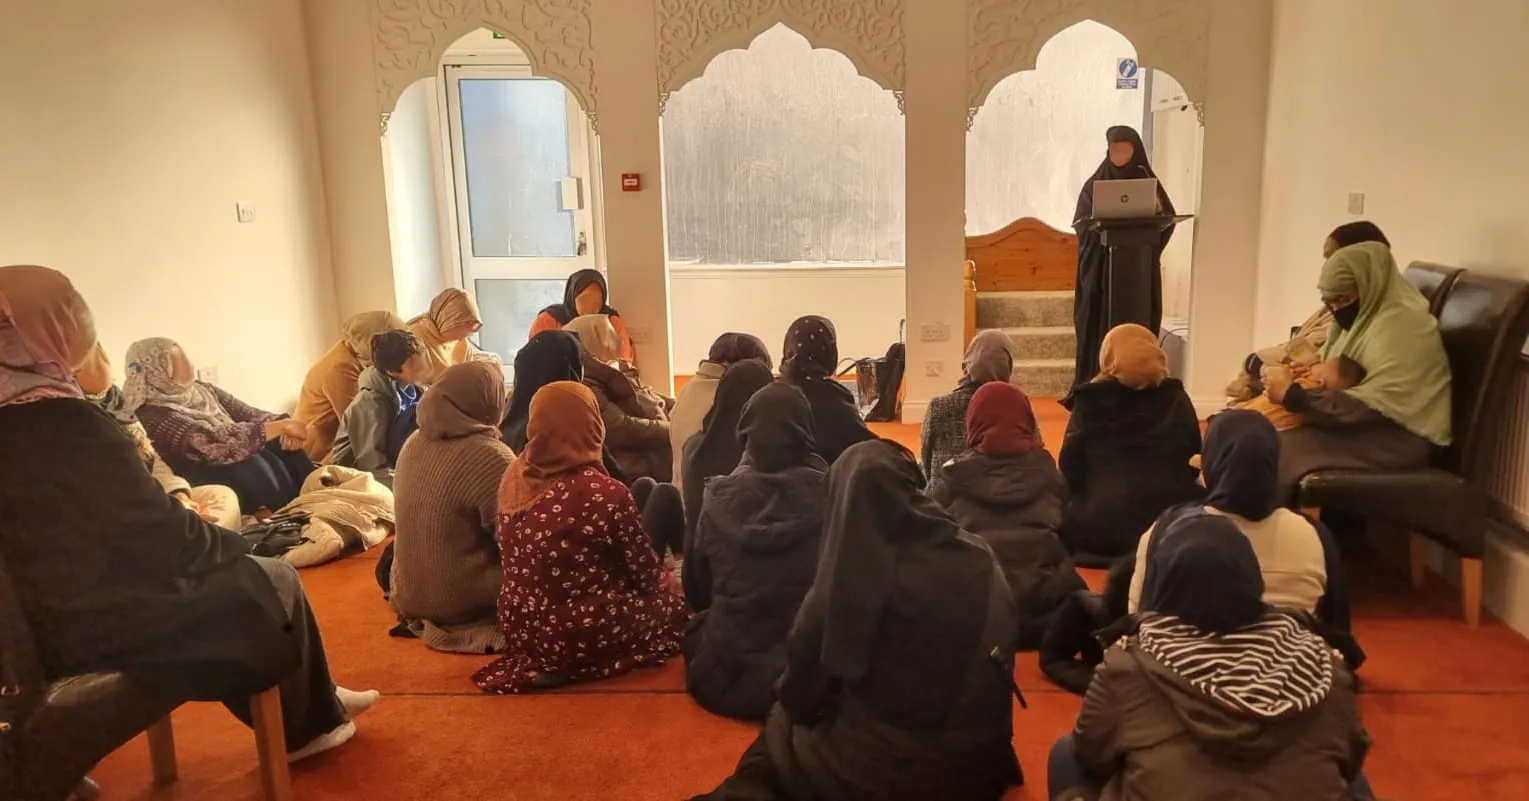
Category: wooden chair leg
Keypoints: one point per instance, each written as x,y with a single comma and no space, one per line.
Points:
162,752
1417,558
271,741
1470,590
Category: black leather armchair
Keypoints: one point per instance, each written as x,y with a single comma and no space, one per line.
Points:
1483,321
1433,280
53,733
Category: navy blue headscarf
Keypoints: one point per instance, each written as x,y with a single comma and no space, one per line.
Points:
1202,570
1241,464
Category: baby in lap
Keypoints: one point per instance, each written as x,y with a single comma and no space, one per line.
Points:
1334,374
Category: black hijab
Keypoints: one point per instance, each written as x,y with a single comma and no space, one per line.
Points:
1137,167
898,582
716,450
549,356
776,430
1241,464
812,349
567,310
1358,232
1202,570
735,347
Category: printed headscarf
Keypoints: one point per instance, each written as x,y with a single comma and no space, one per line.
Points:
811,350
150,367
565,434
46,330
1130,355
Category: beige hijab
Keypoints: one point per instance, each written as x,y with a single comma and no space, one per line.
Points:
597,335
564,433
1130,355
46,330
358,329
451,308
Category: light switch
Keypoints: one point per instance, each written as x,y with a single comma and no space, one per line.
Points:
246,212
207,374
1356,203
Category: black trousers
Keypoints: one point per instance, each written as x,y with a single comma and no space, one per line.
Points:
269,479
663,515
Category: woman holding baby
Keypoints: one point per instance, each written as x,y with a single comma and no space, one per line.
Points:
1399,411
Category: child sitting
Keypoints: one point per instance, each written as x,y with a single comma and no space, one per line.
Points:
1334,374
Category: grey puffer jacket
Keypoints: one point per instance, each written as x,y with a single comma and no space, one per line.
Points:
1014,503
753,558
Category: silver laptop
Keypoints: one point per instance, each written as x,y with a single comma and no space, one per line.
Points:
1133,197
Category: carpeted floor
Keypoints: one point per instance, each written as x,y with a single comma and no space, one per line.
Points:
1445,704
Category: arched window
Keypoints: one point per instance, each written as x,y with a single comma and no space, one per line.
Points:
783,154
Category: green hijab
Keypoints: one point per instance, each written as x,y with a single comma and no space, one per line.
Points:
1394,337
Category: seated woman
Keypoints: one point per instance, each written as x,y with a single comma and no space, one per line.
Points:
897,680
809,358
1214,694
446,567
718,448
1304,347
753,557
332,382
1301,565
583,594
444,329
1395,417
387,389
209,436
1127,449
114,576
212,502
549,356
636,417
585,293
699,392
1006,489
989,357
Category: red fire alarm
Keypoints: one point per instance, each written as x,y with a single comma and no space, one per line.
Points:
631,182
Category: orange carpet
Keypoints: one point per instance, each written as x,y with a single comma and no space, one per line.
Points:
1445,704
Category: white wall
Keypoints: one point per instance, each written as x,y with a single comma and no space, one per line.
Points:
864,304
129,132
1424,114
1177,142
413,166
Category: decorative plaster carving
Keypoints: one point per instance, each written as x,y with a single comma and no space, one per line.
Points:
410,36
692,32
1006,36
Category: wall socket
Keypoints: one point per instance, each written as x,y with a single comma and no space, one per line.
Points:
934,332
207,375
641,334
934,369
1356,203
245,211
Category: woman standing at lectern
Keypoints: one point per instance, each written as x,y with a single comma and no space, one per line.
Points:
1127,159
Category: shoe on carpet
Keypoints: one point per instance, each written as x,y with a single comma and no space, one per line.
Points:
355,702
324,742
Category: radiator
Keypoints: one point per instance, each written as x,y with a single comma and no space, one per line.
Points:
1508,481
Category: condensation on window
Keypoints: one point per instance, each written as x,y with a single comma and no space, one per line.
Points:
1040,134
783,154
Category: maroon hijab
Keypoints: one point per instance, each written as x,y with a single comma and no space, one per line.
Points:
1000,421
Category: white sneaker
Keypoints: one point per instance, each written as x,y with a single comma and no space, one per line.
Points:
355,702
324,742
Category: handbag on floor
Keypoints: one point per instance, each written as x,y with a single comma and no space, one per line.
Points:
889,370
273,538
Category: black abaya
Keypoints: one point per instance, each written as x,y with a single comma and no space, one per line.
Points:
1089,307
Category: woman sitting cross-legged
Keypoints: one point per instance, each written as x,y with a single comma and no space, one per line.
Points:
446,568
212,502
899,665
333,381
114,576
718,448
753,557
696,399
1213,694
583,594
210,437
1006,489
809,358
370,436
1301,565
550,356
989,357
636,417
1126,455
